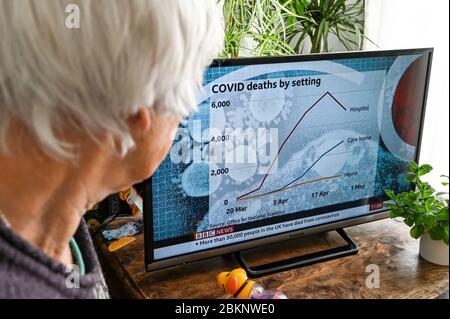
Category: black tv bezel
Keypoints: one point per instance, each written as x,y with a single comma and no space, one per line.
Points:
151,264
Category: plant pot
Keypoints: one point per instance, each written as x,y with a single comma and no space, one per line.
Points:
435,251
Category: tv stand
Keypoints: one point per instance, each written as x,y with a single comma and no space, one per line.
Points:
261,270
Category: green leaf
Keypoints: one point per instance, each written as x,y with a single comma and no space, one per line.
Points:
438,233
411,177
413,166
442,216
424,169
411,197
428,191
388,205
409,221
392,215
400,211
445,237
429,220
300,5
416,232
325,36
389,193
396,212
441,193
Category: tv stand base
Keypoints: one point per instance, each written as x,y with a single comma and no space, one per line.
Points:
299,261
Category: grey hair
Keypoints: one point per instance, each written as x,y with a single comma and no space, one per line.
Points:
125,55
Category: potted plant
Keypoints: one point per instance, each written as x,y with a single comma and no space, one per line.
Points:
426,212
284,27
255,28
316,20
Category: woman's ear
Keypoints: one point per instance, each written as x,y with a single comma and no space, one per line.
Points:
141,120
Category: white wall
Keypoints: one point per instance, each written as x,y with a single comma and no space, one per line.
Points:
398,24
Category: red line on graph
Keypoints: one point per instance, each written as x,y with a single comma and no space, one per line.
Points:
287,138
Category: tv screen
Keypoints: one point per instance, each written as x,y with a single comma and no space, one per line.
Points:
286,146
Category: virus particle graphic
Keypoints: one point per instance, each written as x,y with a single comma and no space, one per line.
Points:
266,105
195,181
244,164
201,122
261,108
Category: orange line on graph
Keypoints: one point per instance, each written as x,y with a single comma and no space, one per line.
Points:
290,187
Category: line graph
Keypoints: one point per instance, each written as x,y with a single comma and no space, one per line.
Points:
288,185
245,196
315,162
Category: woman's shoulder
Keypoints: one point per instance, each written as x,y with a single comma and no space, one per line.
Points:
26,272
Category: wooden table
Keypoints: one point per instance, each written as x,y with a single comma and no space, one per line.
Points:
386,243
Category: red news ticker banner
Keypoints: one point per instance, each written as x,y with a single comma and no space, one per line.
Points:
214,232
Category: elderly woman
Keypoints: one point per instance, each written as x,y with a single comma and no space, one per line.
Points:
85,112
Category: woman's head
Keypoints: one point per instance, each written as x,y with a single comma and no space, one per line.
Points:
132,68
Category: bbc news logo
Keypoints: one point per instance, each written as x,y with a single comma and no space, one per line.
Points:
214,232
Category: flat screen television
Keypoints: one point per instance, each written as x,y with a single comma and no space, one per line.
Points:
283,147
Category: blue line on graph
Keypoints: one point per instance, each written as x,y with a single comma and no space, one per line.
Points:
320,157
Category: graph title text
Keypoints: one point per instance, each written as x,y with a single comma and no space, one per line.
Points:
265,85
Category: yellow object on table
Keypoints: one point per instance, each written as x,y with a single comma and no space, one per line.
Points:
120,243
